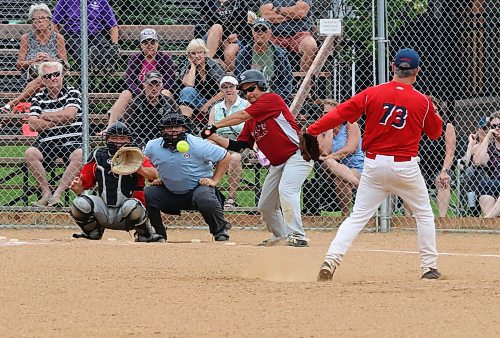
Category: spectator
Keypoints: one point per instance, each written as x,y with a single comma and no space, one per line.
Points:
200,77
147,109
102,31
40,45
231,103
270,59
488,154
141,63
56,115
186,180
120,203
436,161
342,157
474,173
291,25
228,22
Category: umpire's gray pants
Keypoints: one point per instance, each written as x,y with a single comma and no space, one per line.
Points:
282,188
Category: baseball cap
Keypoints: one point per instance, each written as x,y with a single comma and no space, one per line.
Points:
151,76
483,122
229,79
407,59
149,34
261,22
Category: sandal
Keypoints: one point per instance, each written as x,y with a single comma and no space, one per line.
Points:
230,203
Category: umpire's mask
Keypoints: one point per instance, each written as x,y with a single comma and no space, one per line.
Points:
173,129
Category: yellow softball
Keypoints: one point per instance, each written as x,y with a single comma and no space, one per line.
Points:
182,146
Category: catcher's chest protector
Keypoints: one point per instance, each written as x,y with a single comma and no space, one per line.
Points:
113,188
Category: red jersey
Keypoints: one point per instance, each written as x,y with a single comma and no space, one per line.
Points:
88,178
396,116
272,127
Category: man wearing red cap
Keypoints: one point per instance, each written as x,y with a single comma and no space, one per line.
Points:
396,115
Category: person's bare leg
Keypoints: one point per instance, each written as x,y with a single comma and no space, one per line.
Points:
186,110
341,171
75,163
34,160
235,170
443,200
307,51
344,193
487,203
494,211
214,39
230,53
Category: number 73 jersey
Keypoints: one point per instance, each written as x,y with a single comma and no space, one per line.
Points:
396,115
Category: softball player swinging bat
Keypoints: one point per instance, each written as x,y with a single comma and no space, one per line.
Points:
396,115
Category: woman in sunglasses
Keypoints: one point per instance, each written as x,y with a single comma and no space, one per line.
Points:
40,45
488,154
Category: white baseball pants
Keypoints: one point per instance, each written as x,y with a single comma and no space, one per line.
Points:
381,177
279,202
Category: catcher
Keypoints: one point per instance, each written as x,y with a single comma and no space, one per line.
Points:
270,125
119,173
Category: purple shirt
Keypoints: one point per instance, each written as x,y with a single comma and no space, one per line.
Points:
100,16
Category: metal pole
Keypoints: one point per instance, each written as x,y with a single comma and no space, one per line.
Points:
84,78
353,70
384,213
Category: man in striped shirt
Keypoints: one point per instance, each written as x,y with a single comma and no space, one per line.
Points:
55,114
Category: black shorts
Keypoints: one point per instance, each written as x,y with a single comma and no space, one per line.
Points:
53,150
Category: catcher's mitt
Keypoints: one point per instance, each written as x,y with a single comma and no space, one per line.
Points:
127,160
309,146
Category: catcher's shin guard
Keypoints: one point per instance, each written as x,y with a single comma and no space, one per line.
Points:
82,211
134,213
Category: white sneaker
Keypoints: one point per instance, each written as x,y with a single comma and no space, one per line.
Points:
327,269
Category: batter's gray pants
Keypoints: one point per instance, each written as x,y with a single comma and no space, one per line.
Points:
279,202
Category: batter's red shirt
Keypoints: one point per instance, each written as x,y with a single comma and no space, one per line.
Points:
89,181
272,127
396,116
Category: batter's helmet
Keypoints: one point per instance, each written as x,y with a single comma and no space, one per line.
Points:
118,128
253,76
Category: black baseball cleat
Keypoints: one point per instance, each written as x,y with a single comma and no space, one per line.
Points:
221,236
326,271
93,235
297,240
430,273
152,238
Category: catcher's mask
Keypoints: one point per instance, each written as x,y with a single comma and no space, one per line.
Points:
173,129
117,136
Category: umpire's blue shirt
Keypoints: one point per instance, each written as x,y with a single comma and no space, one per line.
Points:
181,172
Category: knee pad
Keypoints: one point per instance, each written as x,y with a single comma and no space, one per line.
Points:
82,210
133,212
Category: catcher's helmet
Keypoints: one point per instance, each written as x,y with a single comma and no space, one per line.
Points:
118,128
253,76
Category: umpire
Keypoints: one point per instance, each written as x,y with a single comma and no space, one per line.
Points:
186,180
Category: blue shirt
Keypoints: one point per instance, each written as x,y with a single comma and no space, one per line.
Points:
181,172
353,161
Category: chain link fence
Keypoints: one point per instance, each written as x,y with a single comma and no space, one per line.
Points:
45,133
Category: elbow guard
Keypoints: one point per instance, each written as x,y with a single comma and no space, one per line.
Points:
237,146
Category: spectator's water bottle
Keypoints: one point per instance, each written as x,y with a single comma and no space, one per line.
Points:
471,199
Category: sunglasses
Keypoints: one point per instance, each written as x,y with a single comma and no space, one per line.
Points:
51,75
42,18
260,29
495,125
249,89
149,42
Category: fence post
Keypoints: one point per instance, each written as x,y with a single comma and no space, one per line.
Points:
84,79
384,218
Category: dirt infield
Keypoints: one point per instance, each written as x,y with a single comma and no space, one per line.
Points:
55,286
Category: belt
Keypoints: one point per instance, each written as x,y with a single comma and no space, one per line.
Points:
396,158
